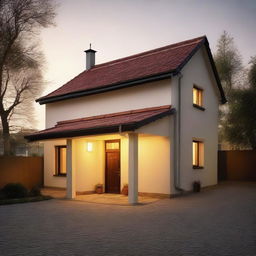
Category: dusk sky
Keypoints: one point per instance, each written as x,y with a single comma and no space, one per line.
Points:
118,28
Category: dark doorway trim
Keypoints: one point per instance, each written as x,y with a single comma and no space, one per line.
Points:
107,188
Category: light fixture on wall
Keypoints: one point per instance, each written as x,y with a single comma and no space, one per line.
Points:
89,146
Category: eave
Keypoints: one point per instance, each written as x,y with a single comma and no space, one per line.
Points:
106,88
125,126
137,81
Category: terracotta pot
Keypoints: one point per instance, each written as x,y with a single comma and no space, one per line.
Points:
125,190
99,189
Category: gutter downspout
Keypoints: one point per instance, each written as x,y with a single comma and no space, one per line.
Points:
120,129
177,127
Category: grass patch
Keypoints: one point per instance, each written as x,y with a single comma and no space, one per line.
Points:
24,200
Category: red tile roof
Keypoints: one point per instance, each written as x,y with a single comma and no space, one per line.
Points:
158,61
109,123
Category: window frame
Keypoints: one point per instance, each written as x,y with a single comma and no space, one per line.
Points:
200,90
58,172
199,158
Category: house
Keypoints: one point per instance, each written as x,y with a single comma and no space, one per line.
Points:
148,120
20,146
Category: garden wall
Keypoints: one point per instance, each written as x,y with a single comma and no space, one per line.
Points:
25,170
237,165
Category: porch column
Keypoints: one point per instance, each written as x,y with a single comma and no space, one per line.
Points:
133,168
71,190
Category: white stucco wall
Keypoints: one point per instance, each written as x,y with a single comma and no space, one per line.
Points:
141,96
196,123
153,164
89,167
49,165
160,127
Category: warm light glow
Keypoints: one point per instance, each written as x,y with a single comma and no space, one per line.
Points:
63,152
198,154
195,153
112,145
197,96
89,146
60,160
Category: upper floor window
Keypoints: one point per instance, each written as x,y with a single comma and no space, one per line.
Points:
198,97
198,154
60,160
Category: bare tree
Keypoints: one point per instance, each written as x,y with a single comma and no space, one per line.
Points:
20,58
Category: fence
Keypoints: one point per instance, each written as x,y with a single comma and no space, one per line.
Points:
237,165
25,170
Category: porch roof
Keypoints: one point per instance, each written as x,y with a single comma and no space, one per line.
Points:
102,124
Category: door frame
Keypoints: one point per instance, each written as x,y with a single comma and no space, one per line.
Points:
112,150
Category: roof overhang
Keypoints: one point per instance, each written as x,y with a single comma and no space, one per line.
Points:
205,42
104,124
106,88
137,81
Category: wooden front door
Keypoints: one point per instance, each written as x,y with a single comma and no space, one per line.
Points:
112,174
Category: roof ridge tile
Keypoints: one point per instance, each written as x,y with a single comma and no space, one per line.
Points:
150,52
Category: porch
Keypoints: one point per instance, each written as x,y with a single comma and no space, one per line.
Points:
106,198
141,161
128,148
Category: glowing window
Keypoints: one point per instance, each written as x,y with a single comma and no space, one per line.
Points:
112,145
198,154
197,96
60,160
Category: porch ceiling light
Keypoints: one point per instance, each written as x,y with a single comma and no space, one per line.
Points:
89,146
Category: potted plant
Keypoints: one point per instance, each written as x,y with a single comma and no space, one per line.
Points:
99,188
196,186
125,190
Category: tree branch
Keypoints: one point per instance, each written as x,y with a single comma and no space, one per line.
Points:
2,93
19,92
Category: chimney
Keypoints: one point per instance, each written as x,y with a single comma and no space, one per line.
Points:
90,58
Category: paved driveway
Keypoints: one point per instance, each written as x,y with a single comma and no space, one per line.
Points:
219,221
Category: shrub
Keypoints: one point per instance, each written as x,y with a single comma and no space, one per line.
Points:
35,191
2,195
14,190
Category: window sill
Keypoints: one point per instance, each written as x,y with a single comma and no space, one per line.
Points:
197,167
60,175
198,107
